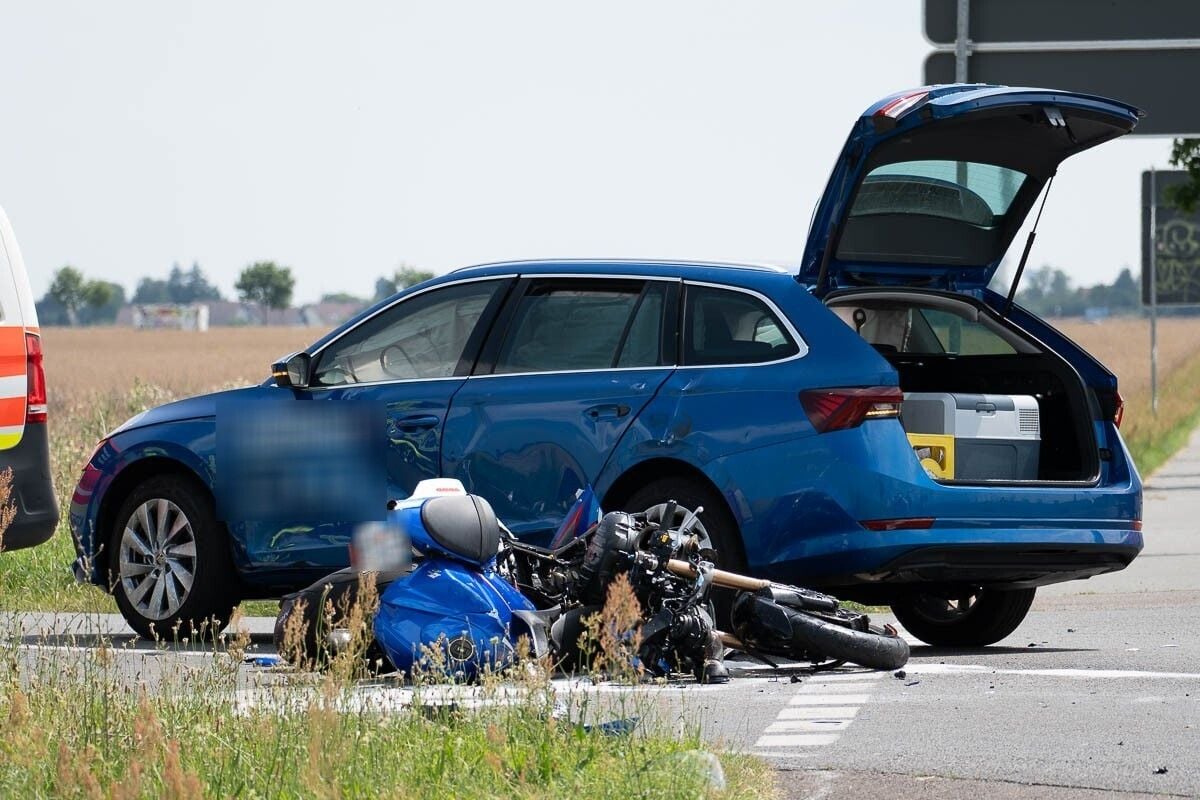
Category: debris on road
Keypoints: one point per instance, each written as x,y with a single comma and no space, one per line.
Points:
901,674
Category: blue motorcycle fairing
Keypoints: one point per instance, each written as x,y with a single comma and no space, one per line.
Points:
447,605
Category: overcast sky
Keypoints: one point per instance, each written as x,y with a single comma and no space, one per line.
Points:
342,139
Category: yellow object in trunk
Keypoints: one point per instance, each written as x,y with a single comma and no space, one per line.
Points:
936,452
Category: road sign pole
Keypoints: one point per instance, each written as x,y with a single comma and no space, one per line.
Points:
962,30
1153,293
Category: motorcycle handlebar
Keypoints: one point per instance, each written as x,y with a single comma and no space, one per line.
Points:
729,580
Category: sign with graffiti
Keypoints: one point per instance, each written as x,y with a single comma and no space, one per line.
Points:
1177,252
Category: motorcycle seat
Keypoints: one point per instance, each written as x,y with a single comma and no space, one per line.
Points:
464,525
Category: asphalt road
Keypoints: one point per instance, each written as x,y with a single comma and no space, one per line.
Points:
1097,693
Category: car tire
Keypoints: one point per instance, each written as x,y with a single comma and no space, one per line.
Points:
722,528
978,619
170,568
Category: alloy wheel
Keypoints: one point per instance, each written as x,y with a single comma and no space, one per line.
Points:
157,559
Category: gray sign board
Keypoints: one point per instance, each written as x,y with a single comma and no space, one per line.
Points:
1152,80
1064,20
1143,52
1177,255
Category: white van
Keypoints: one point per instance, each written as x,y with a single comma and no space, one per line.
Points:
24,444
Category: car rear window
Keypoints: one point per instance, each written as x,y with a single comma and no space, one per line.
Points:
724,326
931,211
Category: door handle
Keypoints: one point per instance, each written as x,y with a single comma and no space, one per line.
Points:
607,411
419,423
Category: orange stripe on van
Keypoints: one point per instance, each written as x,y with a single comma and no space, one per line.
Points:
12,351
12,411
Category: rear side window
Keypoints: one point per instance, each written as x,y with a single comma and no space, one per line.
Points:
579,325
723,326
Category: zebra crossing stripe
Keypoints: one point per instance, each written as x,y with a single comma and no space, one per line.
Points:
829,699
817,714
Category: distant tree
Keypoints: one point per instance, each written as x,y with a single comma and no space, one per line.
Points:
152,290
102,302
75,300
266,284
342,297
1126,293
197,287
67,289
1185,154
402,278
180,286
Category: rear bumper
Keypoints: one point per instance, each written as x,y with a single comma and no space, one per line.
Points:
1015,566
879,564
32,490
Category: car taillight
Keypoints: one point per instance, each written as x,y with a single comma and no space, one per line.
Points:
1118,408
838,409
35,380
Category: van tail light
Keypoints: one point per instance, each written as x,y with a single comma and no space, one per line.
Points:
35,380
1118,408
838,409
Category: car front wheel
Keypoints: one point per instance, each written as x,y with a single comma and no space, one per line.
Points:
169,563
972,618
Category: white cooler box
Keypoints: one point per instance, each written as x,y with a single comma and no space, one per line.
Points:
996,436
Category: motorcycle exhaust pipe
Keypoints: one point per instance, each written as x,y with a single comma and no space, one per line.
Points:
729,580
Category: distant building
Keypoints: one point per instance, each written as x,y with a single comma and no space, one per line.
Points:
224,313
175,316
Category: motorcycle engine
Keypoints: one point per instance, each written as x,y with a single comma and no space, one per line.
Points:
616,534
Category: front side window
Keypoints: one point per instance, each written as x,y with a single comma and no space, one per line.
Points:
584,325
722,326
422,337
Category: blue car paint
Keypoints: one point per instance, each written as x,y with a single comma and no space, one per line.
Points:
942,103
799,498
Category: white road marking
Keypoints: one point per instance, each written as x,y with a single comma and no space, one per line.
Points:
818,712
828,699
839,688
808,726
971,669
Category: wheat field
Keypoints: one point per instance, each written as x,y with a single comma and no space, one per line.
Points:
98,377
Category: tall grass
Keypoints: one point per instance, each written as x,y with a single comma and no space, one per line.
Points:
100,723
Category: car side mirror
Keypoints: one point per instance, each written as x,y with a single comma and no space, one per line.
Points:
292,370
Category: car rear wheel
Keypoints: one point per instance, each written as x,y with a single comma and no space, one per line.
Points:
169,563
973,618
722,528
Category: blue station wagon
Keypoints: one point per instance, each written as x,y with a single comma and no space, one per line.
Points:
770,397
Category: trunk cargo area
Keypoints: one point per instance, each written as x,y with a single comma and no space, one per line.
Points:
984,401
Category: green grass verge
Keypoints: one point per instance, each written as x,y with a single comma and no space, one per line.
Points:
78,723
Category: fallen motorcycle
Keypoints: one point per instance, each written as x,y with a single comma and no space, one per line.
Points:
473,590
